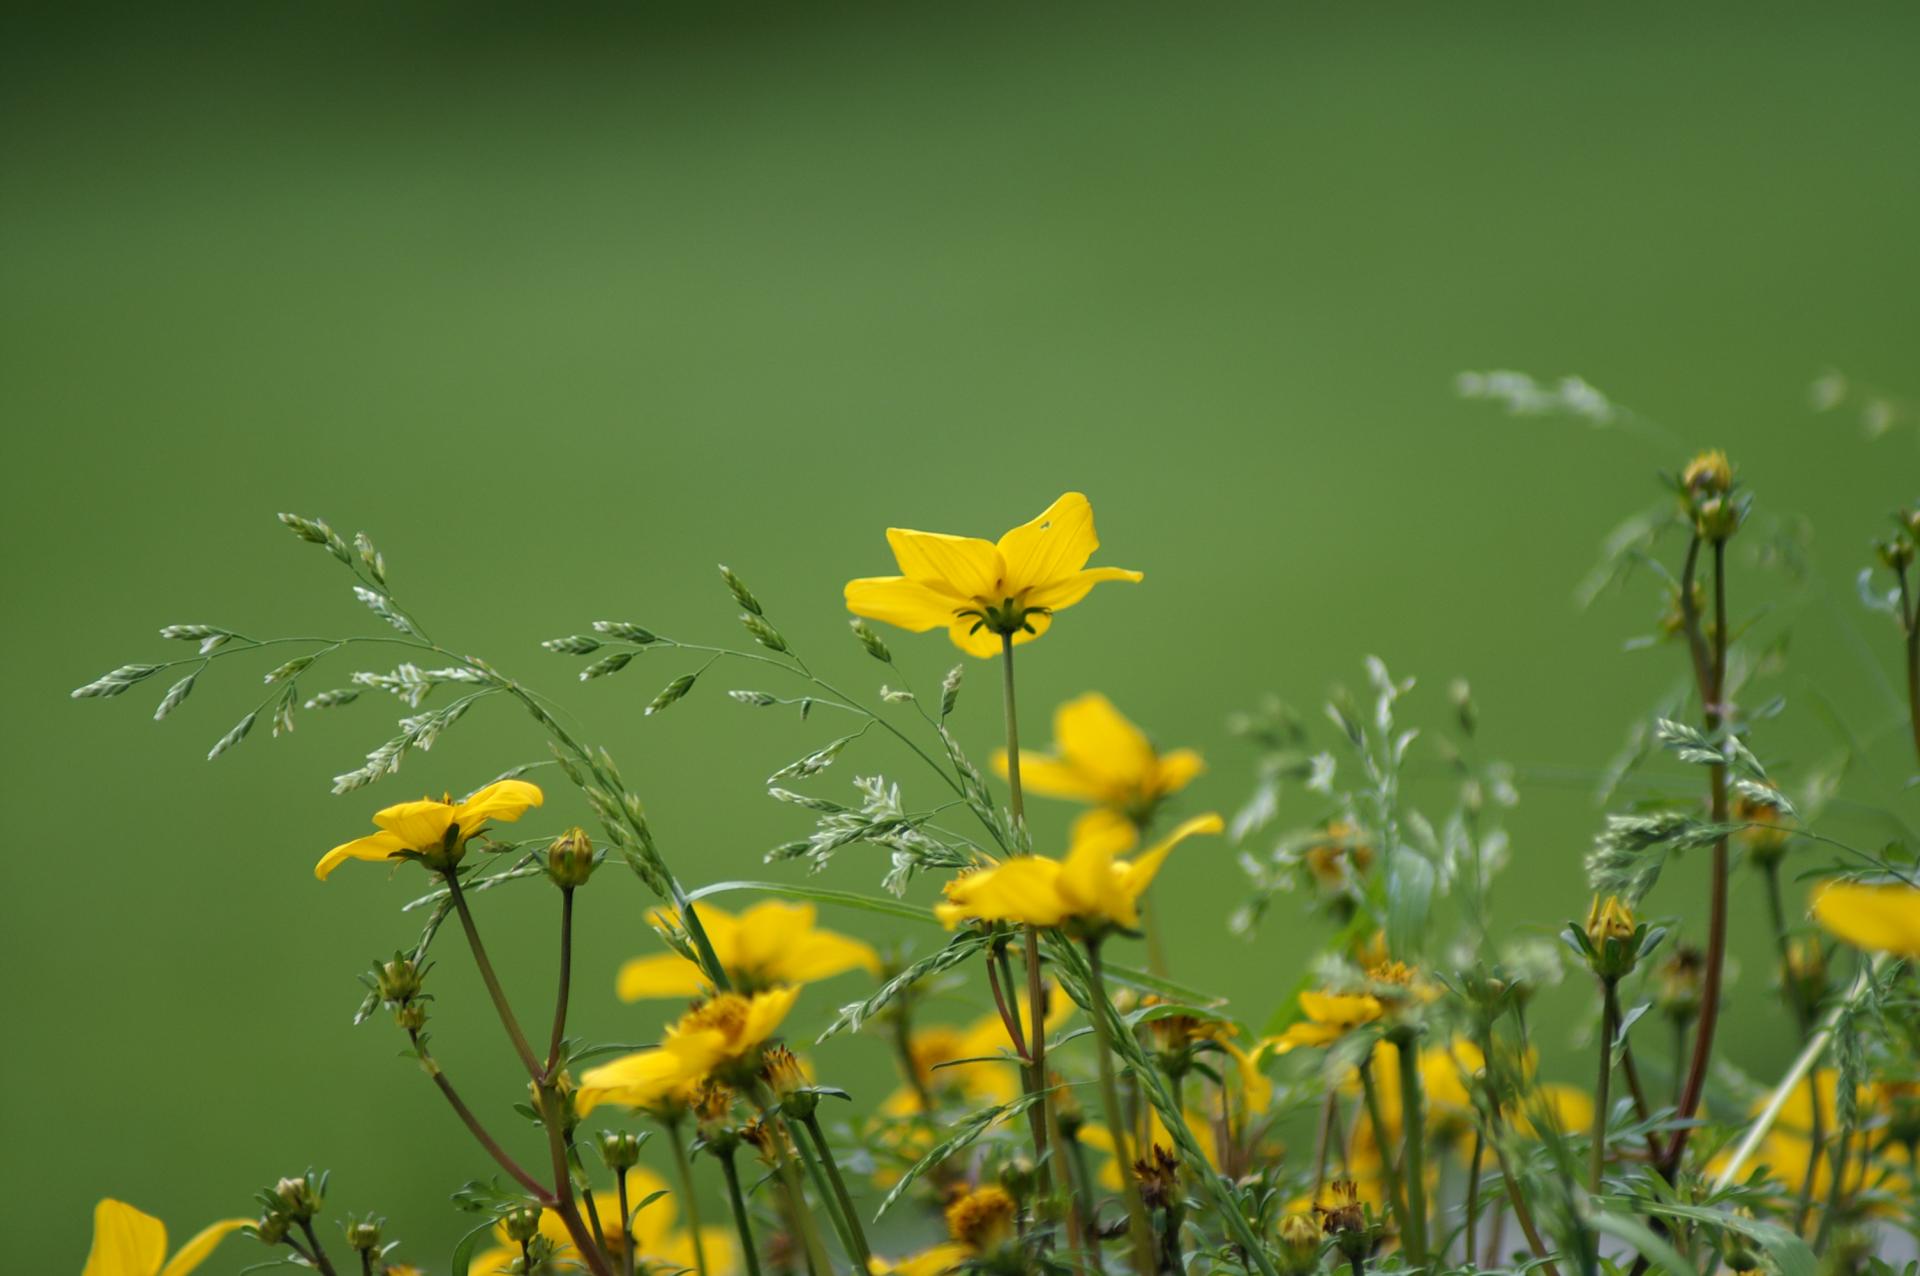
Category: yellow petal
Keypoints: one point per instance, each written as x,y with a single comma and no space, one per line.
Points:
1878,918
375,846
1177,770
126,1242
662,975
984,643
195,1251
501,800
765,1013
1051,777
1054,545
821,954
1020,890
498,1261
1305,1033
768,931
1104,822
899,601
1342,1010
1101,743
943,1257
964,566
419,825
635,1081
1065,593
1139,873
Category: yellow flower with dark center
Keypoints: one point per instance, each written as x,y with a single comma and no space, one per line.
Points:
1884,919
771,944
1102,759
127,1242
979,589
719,1035
657,1243
1090,888
436,831
1329,1017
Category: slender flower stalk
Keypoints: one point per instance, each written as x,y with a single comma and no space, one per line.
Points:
566,983
1413,1125
1138,1226
1389,1175
626,1222
485,966
683,1170
739,1202
474,1127
1602,1104
862,1253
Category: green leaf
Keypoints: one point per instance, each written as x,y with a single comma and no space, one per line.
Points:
1789,1253
1642,1238
819,895
974,1126
463,1252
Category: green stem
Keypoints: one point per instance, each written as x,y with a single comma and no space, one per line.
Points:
1602,1105
1074,1166
626,1226
566,981
1040,1114
830,1201
684,1169
1413,1121
1388,1173
863,1254
1473,1192
320,1259
492,981
592,1212
1138,1226
740,1221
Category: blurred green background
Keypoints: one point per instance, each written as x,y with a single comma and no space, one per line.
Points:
566,307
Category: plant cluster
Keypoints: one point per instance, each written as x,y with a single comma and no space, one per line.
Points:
1388,1113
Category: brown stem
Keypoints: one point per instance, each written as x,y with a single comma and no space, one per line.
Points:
553,1116
492,981
534,1187
320,1259
1910,616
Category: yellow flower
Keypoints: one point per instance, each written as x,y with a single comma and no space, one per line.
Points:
1089,887
941,1258
1608,919
1329,1017
719,1033
938,1050
656,1242
980,590
977,1221
1340,861
437,831
1104,760
1882,919
770,944
127,1242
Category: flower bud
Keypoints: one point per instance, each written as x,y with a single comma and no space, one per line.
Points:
272,1228
1895,552
398,980
1613,937
1718,517
1677,986
412,1016
570,859
1708,474
1736,1249
298,1199
1018,1177
1299,1244
522,1225
1766,833
1803,971
364,1236
619,1149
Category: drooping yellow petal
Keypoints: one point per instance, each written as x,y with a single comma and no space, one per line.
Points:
1051,776
1088,877
1099,741
375,846
502,800
1055,545
1022,890
964,566
1104,822
639,1080
1063,594
420,825
1305,1033
765,1013
1882,919
661,975
126,1242
1177,770
1139,873
195,1251
899,601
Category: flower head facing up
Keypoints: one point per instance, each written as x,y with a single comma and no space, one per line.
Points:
771,944
983,591
718,1038
1104,760
1880,918
127,1242
1091,889
434,832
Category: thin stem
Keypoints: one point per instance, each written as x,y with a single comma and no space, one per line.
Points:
1712,689
592,1212
492,981
778,1134
1641,1107
553,1116
1602,1105
472,1122
1387,1171
1521,1212
320,1259
1473,1191
740,1222
863,1253
1413,1122
1080,1183
1040,1114
626,1225
366,1262
1910,617
683,1168
566,981
1137,1224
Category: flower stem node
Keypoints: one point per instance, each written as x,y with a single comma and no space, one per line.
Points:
570,859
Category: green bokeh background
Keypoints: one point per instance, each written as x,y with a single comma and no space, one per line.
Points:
566,308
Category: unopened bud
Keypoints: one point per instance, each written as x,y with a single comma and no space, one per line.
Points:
299,1199
522,1225
570,859
363,1237
1708,474
619,1149
398,980
272,1228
